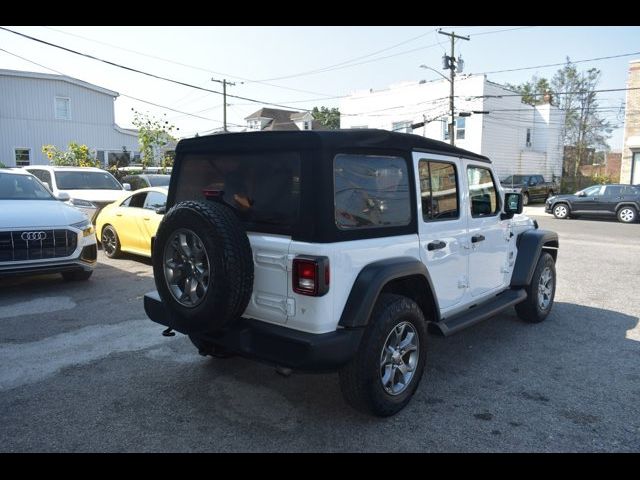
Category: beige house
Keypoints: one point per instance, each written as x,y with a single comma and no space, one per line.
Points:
630,166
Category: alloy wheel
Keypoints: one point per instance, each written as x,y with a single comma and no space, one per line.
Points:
545,289
399,358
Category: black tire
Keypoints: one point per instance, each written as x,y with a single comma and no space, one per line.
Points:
560,210
110,241
361,378
226,289
525,199
532,310
627,214
77,275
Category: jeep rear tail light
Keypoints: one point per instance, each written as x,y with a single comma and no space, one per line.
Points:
311,275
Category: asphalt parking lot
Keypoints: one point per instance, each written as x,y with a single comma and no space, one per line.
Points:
83,369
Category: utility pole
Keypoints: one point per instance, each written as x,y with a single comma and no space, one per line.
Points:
451,63
224,83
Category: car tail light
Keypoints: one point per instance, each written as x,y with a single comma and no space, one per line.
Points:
211,194
311,275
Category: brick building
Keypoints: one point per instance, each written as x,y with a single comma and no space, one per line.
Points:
630,165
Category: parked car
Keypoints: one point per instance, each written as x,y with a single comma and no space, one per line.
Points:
130,224
40,234
145,180
618,200
86,188
532,187
335,250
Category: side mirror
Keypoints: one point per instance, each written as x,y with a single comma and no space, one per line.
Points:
581,194
63,196
512,205
161,210
127,186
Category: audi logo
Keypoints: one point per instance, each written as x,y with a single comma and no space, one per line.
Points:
33,235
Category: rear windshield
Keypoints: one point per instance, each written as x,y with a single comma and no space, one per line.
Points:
264,188
76,180
516,179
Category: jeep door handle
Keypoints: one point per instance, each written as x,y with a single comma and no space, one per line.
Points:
436,245
477,238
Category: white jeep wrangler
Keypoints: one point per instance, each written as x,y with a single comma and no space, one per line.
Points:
333,250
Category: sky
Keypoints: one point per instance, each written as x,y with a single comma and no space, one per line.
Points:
303,66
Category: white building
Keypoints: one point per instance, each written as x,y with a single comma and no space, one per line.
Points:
39,109
518,138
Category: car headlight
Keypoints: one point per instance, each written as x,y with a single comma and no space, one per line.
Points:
86,226
77,202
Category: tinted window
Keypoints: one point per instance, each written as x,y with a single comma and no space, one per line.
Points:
592,191
263,188
155,200
439,190
631,190
78,180
158,180
613,190
137,200
22,187
126,202
371,191
482,192
42,175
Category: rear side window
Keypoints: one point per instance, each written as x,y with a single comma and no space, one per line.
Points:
439,190
613,190
155,200
482,192
371,191
264,188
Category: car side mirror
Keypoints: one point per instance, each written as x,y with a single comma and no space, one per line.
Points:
581,194
161,210
127,186
512,205
63,196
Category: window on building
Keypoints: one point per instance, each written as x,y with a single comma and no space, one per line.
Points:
445,130
23,156
63,108
307,125
482,192
635,168
460,128
100,156
439,190
403,127
528,137
371,191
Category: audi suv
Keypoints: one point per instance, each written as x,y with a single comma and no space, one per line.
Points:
40,234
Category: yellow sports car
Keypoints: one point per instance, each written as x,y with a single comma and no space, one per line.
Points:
128,224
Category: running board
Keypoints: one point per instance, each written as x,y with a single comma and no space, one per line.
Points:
449,326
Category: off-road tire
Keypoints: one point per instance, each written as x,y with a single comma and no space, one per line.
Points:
531,310
230,278
360,378
77,275
111,246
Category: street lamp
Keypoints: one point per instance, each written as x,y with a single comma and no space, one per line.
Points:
434,70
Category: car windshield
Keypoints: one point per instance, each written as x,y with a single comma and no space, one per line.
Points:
159,180
513,179
79,180
22,187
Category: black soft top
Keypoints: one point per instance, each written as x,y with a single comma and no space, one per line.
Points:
321,139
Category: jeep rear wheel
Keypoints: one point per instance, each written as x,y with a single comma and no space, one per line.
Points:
386,371
203,265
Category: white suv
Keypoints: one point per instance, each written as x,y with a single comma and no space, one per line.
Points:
86,188
335,250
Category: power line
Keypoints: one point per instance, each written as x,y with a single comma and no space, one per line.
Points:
121,94
554,93
560,64
131,69
163,59
499,31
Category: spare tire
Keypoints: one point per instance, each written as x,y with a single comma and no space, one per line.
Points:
203,265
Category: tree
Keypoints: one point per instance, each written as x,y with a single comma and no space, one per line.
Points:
153,136
75,156
330,118
573,92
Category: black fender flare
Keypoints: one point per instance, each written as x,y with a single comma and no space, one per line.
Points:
626,204
370,282
530,245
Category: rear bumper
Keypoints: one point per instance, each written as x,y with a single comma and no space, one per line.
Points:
274,344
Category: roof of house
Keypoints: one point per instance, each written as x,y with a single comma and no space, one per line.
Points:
60,78
282,119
